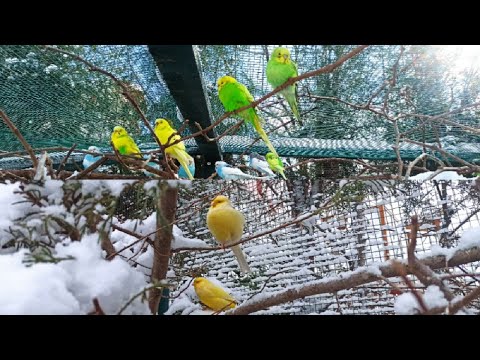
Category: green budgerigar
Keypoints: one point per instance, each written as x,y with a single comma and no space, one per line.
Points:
280,68
275,164
235,95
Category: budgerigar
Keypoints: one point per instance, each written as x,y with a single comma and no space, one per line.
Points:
213,295
256,162
90,159
227,172
235,95
124,144
280,68
226,225
182,174
151,164
164,132
275,164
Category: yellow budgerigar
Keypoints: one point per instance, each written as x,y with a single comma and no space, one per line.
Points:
123,142
235,95
226,225
213,295
164,132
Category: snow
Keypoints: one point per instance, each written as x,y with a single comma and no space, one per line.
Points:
445,175
50,68
469,239
69,287
95,186
13,60
434,297
407,304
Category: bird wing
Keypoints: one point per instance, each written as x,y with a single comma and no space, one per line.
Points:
246,93
211,290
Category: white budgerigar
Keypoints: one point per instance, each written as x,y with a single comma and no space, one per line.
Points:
256,162
226,172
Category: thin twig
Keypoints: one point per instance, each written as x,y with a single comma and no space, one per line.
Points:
125,92
20,137
64,161
97,308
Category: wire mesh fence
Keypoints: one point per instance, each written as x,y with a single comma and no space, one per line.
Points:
362,224
357,111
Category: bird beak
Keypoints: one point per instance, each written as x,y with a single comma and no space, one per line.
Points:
285,57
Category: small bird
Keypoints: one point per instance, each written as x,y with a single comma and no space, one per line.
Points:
165,132
213,295
226,225
151,164
280,68
124,144
182,174
275,164
227,172
256,162
90,159
235,95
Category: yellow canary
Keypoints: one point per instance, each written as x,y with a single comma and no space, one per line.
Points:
213,295
124,144
226,225
164,132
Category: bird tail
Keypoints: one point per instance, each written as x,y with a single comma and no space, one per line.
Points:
183,158
292,101
242,261
258,127
282,173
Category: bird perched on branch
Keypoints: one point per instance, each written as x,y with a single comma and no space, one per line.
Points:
165,132
235,95
226,225
90,159
275,164
280,68
182,174
213,295
123,142
227,172
256,162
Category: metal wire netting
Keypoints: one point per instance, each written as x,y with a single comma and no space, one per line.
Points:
363,224
55,100
426,83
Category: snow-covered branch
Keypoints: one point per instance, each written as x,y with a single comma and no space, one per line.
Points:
348,280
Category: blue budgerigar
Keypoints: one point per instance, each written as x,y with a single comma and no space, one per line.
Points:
151,164
182,174
90,159
258,163
227,172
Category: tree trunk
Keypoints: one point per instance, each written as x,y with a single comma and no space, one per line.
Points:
166,207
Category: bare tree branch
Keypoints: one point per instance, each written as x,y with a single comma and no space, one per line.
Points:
352,279
20,137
